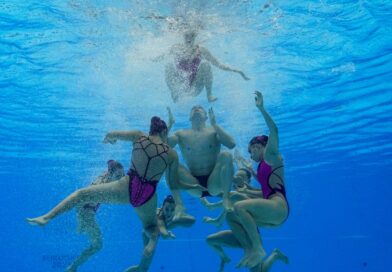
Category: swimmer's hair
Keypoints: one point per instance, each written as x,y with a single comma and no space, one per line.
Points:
157,125
112,164
199,106
248,173
168,199
263,140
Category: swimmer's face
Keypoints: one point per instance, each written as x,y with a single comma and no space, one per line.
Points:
240,178
256,152
198,114
168,211
116,173
189,37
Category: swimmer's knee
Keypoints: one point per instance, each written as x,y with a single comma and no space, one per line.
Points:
238,208
225,156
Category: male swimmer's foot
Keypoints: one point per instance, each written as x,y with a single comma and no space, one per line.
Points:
180,214
280,256
212,221
38,221
212,98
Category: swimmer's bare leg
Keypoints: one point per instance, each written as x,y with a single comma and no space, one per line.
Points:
223,239
221,179
95,237
204,78
239,232
188,183
173,82
114,192
145,262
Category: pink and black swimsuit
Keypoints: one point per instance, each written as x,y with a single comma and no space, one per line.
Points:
264,172
190,66
142,189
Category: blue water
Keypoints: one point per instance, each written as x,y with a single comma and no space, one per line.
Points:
73,70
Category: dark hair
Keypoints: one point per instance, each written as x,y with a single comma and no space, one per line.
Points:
112,164
168,199
248,173
157,125
263,140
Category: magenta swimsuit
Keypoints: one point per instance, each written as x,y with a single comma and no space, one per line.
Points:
264,172
191,66
140,188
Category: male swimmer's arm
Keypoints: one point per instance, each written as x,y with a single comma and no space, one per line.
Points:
173,140
131,135
221,134
209,57
272,148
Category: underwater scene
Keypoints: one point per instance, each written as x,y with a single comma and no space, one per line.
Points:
225,135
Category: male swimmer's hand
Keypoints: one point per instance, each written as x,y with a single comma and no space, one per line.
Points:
109,138
211,115
172,121
259,100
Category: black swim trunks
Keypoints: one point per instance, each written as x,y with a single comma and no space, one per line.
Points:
203,181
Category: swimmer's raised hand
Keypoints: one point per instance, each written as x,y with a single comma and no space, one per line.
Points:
211,116
172,121
259,100
109,138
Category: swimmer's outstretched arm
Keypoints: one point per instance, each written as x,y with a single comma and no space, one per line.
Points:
209,57
172,121
131,135
221,134
272,148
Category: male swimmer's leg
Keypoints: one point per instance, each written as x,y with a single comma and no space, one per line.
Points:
114,192
218,240
221,178
186,182
276,255
95,237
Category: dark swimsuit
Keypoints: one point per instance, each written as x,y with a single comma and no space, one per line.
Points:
264,172
203,181
190,66
141,189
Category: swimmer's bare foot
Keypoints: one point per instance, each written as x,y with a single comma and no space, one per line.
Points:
212,98
280,256
38,221
223,262
180,214
212,221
